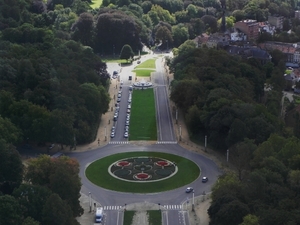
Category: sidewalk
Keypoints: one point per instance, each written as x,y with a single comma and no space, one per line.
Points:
88,205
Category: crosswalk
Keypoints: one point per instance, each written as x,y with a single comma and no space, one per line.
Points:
163,207
118,142
166,142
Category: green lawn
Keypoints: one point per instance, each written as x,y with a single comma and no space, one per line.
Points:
97,173
143,72
96,4
150,64
142,118
128,217
153,215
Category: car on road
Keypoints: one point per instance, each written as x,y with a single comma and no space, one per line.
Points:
130,88
129,106
204,179
115,118
126,135
119,99
115,72
121,82
119,95
112,135
126,128
128,111
189,189
113,129
138,62
127,123
129,100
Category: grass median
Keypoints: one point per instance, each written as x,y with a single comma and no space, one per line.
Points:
142,118
149,64
97,173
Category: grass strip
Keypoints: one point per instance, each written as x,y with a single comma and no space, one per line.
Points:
142,118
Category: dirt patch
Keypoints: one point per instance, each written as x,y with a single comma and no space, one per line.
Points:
140,218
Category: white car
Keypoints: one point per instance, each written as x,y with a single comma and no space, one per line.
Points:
126,135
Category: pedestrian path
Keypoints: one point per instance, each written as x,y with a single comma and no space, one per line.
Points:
166,142
172,207
163,207
118,142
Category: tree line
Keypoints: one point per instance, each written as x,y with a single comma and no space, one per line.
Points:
224,99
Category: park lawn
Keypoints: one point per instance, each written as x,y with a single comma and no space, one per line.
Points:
150,64
96,4
154,217
143,72
97,173
128,217
143,118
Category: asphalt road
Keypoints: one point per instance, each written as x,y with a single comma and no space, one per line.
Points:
165,133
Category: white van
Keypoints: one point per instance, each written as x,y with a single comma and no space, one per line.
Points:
99,215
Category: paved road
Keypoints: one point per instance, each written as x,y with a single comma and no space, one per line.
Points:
115,200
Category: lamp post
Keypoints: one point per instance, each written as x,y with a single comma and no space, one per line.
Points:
90,199
179,132
176,116
193,204
105,134
167,45
205,142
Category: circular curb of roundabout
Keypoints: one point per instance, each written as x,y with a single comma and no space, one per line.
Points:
142,172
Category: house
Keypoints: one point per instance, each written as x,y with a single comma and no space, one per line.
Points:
248,27
276,21
266,27
247,52
290,50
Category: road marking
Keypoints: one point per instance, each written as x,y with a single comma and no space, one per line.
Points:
166,142
118,142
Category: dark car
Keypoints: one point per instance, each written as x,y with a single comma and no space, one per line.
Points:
115,72
204,179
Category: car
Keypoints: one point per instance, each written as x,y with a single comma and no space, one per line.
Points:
129,106
119,95
127,123
120,92
115,118
127,119
128,111
119,99
138,62
126,129
126,135
130,88
129,100
204,179
189,189
121,82
112,135
117,104
115,72
113,129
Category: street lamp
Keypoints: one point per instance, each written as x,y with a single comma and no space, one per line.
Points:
90,199
205,143
176,116
179,132
193,205
105,134
167,45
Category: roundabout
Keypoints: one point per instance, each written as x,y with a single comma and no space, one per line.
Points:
137,172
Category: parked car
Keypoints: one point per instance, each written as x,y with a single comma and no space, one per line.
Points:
204,179
115,118
119,99
115,72
127,123
112,135
126,135
189,189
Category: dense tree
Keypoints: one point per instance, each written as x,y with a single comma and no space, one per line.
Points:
11,168
83,29
10,210
126,53
32,199
60,175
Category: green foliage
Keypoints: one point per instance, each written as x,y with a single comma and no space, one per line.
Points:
154,217
126,53
11,168
10,210
60,175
